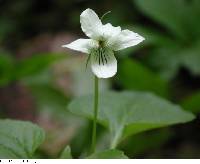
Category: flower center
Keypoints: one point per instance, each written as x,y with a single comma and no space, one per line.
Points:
101,43
102,54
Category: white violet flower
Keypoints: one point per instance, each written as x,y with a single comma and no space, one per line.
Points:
104,40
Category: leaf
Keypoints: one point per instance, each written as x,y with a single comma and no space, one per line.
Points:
35,64
158,10
166,60
190,58
12,70
127,113
108,154
134,75
192,103
19,139
173,52
66,154
81,141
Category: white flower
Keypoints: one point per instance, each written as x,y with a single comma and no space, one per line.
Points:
104,40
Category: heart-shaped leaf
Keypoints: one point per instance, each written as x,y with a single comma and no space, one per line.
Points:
126,113
108,154
19,139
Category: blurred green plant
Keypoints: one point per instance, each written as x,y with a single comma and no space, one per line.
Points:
49,98
192,103
108,154
175,43
134,75
141,143
12,70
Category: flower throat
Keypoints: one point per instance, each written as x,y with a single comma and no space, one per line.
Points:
102,53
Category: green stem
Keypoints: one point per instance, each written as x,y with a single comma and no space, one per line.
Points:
96,101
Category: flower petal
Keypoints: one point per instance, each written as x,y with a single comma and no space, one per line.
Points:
82,45
110,31
124,40
104,65
90,23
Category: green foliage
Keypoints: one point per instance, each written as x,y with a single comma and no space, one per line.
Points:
166,61
192,103
66,154
35,64
48,97
190,58
158,10
19,139
144,142
177,43
128,113
133,75
108,154
13,70
81,142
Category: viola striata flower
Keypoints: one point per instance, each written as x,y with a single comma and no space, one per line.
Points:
104,41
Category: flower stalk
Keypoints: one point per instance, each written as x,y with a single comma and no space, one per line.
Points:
103,41
96,102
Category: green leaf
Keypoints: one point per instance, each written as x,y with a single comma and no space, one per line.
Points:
81,141
172,52
134,75
12,70
190,58
166,60
19,139
126,113
192,103
158,10
108,154
66,154
35,64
